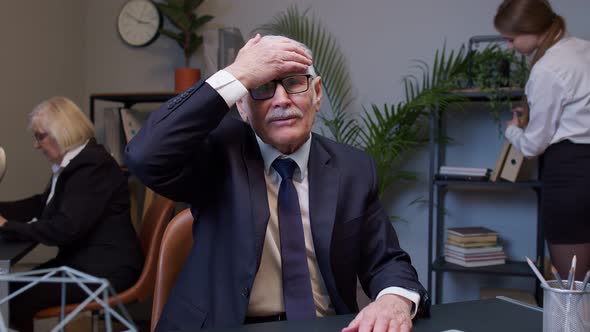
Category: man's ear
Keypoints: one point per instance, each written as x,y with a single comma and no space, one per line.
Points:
243,108
317,86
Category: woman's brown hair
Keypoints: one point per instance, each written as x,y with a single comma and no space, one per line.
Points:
535,17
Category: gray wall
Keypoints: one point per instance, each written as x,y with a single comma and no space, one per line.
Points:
41,57
72,48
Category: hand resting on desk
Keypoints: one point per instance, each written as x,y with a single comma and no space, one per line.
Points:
389,313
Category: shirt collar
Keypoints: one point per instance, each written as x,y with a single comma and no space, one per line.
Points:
300,156
55,168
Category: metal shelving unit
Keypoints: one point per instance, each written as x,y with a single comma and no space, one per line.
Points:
437,191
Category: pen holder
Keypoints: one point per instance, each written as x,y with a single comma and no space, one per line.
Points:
566,310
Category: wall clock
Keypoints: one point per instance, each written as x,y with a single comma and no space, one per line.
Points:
139,22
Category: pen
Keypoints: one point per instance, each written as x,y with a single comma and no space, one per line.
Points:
537,273
572,276
557,277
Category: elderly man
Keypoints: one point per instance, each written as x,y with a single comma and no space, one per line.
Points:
285,220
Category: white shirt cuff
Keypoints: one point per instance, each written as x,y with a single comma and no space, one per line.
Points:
228,87
408,294
512,132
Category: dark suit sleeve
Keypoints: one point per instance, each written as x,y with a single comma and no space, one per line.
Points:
384,263
173,148
24,209
86,192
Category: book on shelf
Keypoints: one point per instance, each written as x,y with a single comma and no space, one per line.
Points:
473,250
475,264
463,177
471,231
476,244
464,170
473,239
475,257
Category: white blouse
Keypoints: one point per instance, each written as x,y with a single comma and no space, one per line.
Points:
558,92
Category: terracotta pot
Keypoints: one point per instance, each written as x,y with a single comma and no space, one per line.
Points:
185,77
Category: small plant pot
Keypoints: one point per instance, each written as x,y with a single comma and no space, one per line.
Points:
185,78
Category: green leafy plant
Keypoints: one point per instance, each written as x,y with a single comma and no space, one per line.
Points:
181,14
497,72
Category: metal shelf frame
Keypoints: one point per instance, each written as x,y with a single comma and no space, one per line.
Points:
437,267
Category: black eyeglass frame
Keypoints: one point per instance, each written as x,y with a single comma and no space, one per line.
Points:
39,137
280,81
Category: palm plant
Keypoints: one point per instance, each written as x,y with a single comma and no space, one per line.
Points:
389,133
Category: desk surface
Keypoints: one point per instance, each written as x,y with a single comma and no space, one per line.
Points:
13,251
482,316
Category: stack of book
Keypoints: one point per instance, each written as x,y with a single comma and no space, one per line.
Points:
464,173
473,246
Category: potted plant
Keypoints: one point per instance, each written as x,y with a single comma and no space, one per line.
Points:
497,72
181,14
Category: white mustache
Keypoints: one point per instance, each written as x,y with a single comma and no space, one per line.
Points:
283,113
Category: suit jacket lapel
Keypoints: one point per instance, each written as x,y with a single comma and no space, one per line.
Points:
323,197
257,186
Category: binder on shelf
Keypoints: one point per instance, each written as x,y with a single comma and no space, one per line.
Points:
132,121
111,135
512,165
500,162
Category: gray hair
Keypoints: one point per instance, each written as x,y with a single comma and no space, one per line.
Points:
310,70
63,120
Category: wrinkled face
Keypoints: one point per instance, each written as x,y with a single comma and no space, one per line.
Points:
45,143
523,43
285,120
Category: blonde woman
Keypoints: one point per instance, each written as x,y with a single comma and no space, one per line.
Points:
84,211
558,107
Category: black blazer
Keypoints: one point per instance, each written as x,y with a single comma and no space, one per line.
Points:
87,219
189,152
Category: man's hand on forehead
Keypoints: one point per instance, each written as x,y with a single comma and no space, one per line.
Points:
264,59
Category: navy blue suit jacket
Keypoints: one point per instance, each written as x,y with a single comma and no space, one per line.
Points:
189,151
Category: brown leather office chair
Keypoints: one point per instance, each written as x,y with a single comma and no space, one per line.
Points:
153,225
176,244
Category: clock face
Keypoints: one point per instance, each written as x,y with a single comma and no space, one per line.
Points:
138,23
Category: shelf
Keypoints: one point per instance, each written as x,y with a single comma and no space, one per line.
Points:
511,268
134,97
479,95
130,99
500,184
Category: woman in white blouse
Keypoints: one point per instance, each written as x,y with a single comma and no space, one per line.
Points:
555,123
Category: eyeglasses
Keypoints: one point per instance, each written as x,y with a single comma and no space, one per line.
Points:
292,85
39,137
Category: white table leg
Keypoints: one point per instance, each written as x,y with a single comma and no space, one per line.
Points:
4,269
